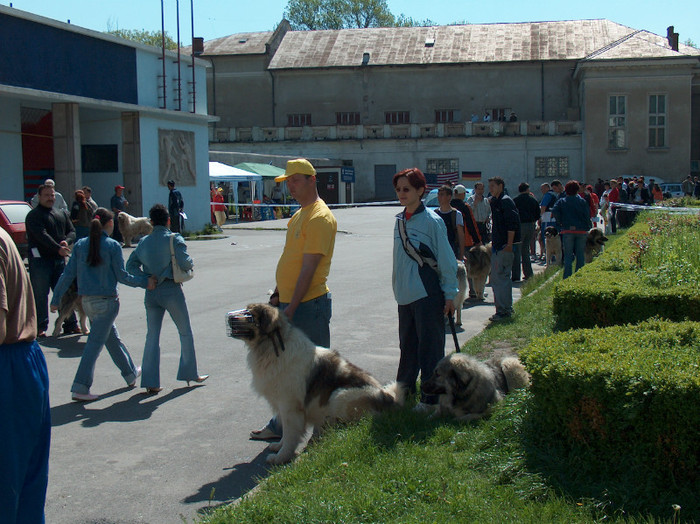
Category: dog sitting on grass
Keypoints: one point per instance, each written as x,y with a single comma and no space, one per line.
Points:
467,387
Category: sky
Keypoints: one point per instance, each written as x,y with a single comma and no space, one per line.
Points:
217,18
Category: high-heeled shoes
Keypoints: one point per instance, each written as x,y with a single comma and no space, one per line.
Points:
198,380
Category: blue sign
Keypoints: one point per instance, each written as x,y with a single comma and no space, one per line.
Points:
347,174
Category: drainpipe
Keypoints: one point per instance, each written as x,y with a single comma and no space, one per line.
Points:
272,79
542,89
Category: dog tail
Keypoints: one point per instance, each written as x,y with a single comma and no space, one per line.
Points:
516,375
396,393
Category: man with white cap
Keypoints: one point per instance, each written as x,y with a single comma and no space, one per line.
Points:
302,270
60,202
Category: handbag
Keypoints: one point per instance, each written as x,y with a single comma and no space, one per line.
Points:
179,274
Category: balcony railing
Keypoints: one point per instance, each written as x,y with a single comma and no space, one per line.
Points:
397,131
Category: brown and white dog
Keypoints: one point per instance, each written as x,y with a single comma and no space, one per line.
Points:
552,246
595,242
305,385
467,387
131,227
70,301
478,262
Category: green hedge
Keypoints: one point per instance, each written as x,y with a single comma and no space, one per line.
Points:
610,292
629,395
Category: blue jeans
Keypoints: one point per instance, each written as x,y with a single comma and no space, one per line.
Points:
501,283
168,296
102,311
313,318
44,274
25,432
573,245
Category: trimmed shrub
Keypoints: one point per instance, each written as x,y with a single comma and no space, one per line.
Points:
629,396
635,279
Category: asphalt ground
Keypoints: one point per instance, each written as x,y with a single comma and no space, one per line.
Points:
131,457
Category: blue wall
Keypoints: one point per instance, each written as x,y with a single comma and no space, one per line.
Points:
41,57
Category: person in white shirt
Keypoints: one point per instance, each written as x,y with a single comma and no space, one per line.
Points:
59,203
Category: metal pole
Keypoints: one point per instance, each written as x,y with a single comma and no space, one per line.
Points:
162,38
194,90
179,78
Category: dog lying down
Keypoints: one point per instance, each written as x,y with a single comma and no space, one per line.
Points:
305,385
467,387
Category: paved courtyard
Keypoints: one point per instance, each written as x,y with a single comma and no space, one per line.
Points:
130,458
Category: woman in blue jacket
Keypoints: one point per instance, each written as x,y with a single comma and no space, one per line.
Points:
98,264
573,217
425,283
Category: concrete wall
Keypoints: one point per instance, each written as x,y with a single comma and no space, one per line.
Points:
243,90
102,127
469,88
695,125
637,83
196,197
513,158
12,186
149,67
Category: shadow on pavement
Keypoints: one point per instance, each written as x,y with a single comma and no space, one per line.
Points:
240,479
139,406
70,346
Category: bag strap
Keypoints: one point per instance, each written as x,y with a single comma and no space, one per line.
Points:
410,249
172,248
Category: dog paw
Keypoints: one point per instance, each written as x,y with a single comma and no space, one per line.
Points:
275,446
276,459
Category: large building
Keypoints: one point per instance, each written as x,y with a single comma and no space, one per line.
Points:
87,108
592,98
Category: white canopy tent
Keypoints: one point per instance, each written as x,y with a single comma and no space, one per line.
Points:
219,172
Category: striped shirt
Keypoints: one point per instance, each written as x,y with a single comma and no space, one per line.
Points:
481,210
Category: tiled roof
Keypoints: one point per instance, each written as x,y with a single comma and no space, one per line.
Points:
238,44
478,43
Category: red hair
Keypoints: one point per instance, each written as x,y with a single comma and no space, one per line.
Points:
571,187
415,177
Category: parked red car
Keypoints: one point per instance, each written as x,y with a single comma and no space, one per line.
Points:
12,216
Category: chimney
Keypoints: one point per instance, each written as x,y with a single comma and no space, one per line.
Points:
672,37
197,45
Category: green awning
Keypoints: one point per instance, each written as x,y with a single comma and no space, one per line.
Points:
265,170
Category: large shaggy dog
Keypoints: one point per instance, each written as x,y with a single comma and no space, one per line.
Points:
552,243
478,262
595,242
467,388
131,227
70,301
462,290
304,384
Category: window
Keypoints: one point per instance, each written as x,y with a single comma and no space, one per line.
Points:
299,119
617,123
347,119
397,117
552,167
446,116
499,114
657,120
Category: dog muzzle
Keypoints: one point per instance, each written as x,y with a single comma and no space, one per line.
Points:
241,324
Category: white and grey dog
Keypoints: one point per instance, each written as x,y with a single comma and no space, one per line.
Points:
131,227
305,385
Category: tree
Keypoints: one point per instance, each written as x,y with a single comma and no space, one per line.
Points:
338,14
689,42
406,21
145,37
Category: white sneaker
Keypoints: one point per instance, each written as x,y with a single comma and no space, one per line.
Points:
84,397
138,374
422,407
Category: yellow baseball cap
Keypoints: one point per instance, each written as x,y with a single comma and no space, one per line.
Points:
300,166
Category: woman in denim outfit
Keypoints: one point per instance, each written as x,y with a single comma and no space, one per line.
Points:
152,257
98,265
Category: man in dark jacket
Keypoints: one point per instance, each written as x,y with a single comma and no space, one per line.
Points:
175,206
574,219
529,211
49,233
505,232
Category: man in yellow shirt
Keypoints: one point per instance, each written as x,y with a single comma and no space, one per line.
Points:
302,270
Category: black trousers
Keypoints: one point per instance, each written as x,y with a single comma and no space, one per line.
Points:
422,341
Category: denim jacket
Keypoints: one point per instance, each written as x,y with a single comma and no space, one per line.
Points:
100,280
572,214
152,255
428,234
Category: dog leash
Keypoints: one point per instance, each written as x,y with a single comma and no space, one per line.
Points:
451,319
